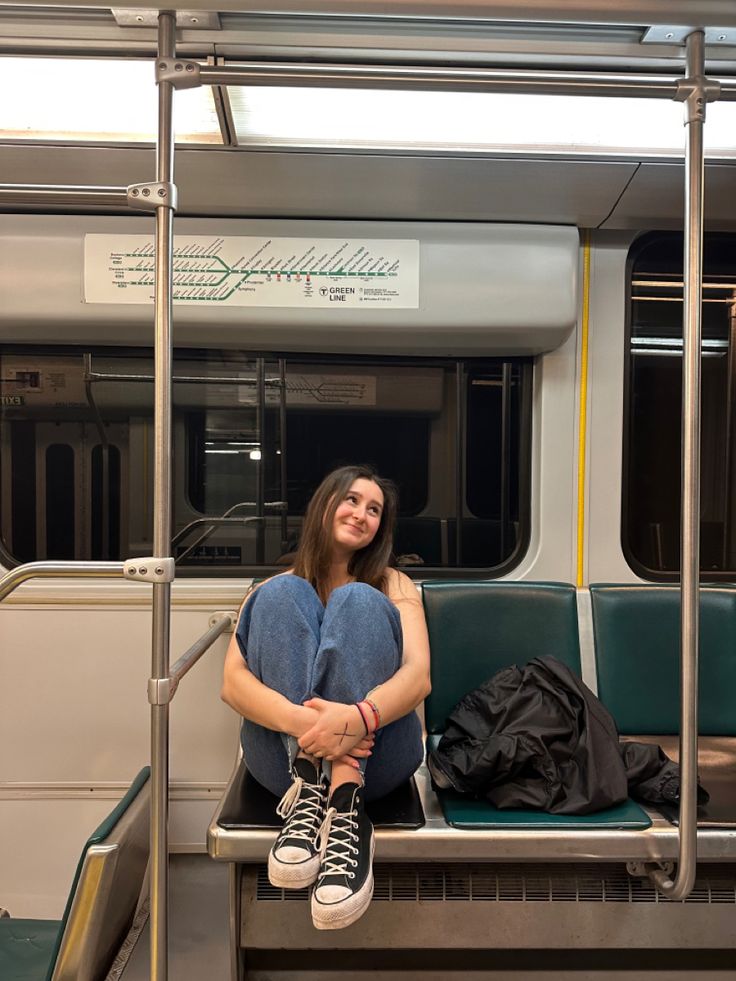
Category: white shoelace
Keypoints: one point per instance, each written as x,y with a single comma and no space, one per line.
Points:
336,853
302,816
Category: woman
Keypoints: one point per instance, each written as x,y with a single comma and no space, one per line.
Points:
328,663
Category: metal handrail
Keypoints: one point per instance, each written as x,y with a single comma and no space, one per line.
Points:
213,524
62,195
190,657
227,518
681,886
58,570
529,81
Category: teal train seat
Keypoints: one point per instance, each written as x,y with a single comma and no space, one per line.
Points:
475,629
637,651
101,906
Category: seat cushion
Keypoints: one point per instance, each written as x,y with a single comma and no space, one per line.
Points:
465,812
249,806
462,811
477,628
26,948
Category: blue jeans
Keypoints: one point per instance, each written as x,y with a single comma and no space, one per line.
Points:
303,649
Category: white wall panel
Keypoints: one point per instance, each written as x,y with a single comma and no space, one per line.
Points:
605,560
482,289
74,730
551,555
74,697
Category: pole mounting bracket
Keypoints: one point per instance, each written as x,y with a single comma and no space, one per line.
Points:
152,195
150,570
676,34
231,615
161,690
182,73
695,92
640,870
190,20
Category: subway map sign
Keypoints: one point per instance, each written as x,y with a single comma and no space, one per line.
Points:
257,271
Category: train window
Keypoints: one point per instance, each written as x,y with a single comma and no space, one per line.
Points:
651,496
252,438
119,107
407,119
96,99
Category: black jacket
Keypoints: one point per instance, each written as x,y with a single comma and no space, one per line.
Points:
538,737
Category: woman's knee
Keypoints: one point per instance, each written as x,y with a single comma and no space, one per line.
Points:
286,586
275,597
356,591
281,625
358,609
359,596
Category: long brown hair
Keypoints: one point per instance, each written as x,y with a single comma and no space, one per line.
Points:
313,556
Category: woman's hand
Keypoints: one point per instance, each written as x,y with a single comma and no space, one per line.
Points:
302,720
337,732
362,750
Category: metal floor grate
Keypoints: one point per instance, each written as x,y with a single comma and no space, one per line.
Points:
529,883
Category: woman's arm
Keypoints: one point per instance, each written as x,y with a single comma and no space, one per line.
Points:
411,684
242,691
257,702
396,697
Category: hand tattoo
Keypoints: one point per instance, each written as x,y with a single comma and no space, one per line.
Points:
345,733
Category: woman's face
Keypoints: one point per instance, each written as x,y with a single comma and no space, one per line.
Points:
358,515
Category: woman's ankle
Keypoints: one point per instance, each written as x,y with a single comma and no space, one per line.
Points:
343,773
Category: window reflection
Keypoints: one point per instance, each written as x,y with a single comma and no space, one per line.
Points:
77,458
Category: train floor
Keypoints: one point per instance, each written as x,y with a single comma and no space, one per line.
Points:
198,951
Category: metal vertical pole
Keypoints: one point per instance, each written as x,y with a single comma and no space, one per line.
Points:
505,457
729,481
105,460
690,548
282,445
690,479
261,461
162,514
459,458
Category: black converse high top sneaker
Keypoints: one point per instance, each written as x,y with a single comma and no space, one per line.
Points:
293,862
345,884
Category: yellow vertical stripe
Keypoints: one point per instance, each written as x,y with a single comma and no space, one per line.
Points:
583,409
147,494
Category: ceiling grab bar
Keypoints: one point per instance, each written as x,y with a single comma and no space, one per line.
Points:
46,196
438,78
695,91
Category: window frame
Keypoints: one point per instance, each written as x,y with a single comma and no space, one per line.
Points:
214,572
644,572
